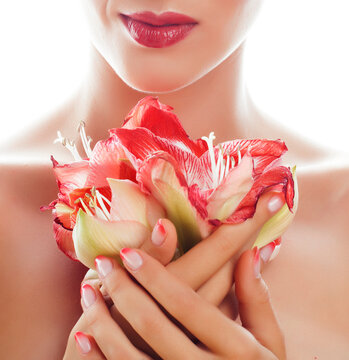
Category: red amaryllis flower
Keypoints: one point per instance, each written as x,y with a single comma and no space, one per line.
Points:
149,169
83,185
198,184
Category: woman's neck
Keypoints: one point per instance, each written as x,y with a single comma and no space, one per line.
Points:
216,102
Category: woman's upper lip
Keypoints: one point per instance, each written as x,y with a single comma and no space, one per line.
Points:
167,18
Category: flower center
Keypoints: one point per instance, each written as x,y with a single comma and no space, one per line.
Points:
224,163
96,204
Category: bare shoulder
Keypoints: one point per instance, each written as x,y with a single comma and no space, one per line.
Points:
324,189
36,140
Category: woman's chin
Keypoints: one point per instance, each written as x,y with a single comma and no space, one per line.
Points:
156,82
157,86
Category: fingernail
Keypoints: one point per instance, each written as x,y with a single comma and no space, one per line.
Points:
275,203
275,252
256,262
131,258
83,342
266,252
159,234
88,295
103,265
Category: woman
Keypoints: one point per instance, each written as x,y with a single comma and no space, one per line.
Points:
200,76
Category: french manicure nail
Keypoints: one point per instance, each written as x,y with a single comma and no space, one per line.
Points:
83,342
256,262
131,258
158,235
103,265
88,295
275,203
266,252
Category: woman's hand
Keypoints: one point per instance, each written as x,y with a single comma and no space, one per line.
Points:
207,267
260,336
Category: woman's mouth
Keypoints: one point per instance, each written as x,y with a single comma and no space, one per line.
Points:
154,31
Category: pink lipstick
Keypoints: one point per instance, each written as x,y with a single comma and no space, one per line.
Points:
155,31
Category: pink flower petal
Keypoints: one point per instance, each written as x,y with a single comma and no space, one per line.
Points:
263,151
161,121
225,199
140,143
160,176
130,203
70,176
108,160
64,239
279,179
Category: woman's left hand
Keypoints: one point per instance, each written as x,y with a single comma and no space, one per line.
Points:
259,337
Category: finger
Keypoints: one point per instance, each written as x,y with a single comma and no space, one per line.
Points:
87,347
92,278
255,308
202,261
111,340
216,288
163,241
270,251
143,314
185,305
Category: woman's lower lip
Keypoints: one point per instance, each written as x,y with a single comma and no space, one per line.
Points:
156,36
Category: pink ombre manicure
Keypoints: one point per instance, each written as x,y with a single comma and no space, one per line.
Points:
256,262
88,295
269,252
103,265
266,252
83,342
158,235
131,258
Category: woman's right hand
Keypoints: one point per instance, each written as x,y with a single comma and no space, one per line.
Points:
207,268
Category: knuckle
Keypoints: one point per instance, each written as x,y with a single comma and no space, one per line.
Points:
121,353
250,351
263,294
113,282
146,323
92,320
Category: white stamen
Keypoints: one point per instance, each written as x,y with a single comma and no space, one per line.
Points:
232,162
239,155
105,199
100,214
87,210
86,140
220,166
209,141
68,144
101,204
227,164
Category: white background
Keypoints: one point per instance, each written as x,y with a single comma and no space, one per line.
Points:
297,63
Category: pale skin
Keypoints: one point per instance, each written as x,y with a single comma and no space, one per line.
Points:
307,281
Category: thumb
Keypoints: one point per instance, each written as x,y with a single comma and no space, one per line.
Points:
256,312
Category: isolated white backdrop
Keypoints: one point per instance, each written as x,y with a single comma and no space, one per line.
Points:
297,63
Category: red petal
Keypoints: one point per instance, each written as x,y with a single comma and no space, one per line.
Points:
279,179
70,176
161,176
264,151
64,239
161,121
108,160
142,143
226,198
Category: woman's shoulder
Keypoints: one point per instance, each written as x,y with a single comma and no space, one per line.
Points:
35,142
